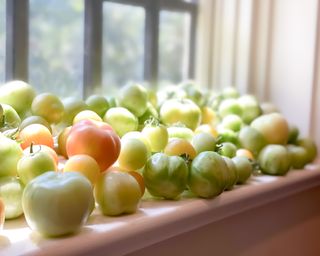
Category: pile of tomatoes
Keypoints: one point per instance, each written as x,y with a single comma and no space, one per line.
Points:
60,158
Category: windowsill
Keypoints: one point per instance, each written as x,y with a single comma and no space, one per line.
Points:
157,221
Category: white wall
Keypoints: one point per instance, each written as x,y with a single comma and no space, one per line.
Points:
266,47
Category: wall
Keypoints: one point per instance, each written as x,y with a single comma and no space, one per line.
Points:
266,47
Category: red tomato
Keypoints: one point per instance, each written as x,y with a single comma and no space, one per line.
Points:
96,139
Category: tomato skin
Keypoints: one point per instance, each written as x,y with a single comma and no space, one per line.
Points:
96,139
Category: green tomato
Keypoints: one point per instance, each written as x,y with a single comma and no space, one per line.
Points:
17,94
117,193
232,174
11,191
183,111
181,132
193,92
157,135
243,167
310,146
273,127
165,176
250,108
57,203
203,142
35,164
293,134
98,104
139,136
11,116
72,106
133,154
121,120
208,175
232,122
228,107
251,139
227,135
134,97
227,149
298,156
10,154
151,112
274,160
35,120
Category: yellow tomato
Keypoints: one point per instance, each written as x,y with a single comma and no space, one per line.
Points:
86,114
208,129
179,147
209,116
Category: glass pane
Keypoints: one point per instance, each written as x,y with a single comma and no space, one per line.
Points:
123,45
2,38
173,46
56,46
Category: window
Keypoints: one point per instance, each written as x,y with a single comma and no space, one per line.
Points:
123,40
80,47
56,46
2,39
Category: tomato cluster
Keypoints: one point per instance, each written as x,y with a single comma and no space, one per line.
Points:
69,154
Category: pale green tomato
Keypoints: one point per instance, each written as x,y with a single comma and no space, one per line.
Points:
165,176
250,108
134,97
57,203
274,160
298,156
157,135
251,139
121,120
98,104
229,92
203,142
227,149
11,116
10,154
72,106
11,193
168,93
274,127
227,135
17,94
35,120
232,122
139,136
151,112
243,167
193,93
228,107
180,132
208,175
232,174
35,164
133,154
183,111
117,192
310,146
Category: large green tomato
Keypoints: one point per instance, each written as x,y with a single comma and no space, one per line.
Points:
250,108
98,104
11,191
232,173
35,164
203,142
117,192
310,146
298,156
232,122
165,176
57,204
10,154
17,94
208,175
243,167
121,120
251,139
135,98
274,127
180,111
227,149
274,160
157,135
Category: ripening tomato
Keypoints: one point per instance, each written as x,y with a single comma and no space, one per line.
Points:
96,139
37,134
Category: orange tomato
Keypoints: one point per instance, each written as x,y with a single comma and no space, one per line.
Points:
96,139
244,152
85,165
62,141
178,147
37,134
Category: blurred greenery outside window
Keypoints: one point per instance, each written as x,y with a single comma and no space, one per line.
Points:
2,39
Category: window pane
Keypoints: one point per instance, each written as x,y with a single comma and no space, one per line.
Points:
173,46
2,38
123,44
56,46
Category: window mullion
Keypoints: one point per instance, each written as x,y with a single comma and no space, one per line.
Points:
192,48
17,36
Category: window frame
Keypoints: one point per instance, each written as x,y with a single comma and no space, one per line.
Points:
17,38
